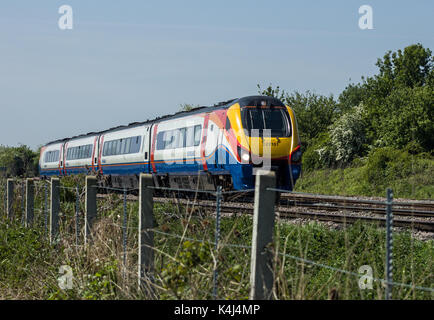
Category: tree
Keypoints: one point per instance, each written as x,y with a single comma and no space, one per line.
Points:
19,161
187,107
398,101
315,113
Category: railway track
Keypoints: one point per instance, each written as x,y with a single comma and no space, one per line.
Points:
292,212
418,215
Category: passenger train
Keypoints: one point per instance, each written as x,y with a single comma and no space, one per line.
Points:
201,148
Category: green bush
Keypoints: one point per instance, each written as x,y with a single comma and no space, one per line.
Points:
319,154
387,164
348,136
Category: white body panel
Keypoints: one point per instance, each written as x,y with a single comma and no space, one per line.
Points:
173,131
141,131
52,164
76,143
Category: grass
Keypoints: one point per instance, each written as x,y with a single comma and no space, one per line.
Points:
185,258
409,178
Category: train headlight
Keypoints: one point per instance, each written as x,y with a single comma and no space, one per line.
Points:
245,157
296,156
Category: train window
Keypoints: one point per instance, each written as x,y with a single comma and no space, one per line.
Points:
80,152
107,148
128,145
197,134
135,144
113,147
189,141
181,137
118,146
124,146
160,140
228,124
51,156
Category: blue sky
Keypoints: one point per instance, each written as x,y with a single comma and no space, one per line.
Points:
127,61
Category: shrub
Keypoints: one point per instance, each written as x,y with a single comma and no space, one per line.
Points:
387,164
347,136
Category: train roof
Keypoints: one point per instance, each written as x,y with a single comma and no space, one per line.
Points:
250,100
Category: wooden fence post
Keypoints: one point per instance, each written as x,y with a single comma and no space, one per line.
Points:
261,269
10,198
146,237
90,206
30,201
54,208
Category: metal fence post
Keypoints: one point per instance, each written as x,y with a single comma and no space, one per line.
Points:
261,269
217,237
10,198
124,227
46,208
77,210
5,200
146,235
54,208
30,201
22,202
389,244
90,210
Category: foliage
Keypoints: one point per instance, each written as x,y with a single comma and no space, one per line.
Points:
398,100
318,155
101,284
314,112
177,275
187,107
19,161
348,135
410,176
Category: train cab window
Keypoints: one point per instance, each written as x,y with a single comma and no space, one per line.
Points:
274,119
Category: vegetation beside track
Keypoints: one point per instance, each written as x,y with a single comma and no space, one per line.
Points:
29,265
409,176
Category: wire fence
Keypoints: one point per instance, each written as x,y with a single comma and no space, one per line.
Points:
202,250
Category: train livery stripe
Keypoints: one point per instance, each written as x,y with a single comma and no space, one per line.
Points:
153,148
100,153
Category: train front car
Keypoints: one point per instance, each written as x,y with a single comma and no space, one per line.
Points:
265,133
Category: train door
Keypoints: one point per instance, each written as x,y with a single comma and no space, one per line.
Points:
95,155
220,160
61,160
100,144
146,149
